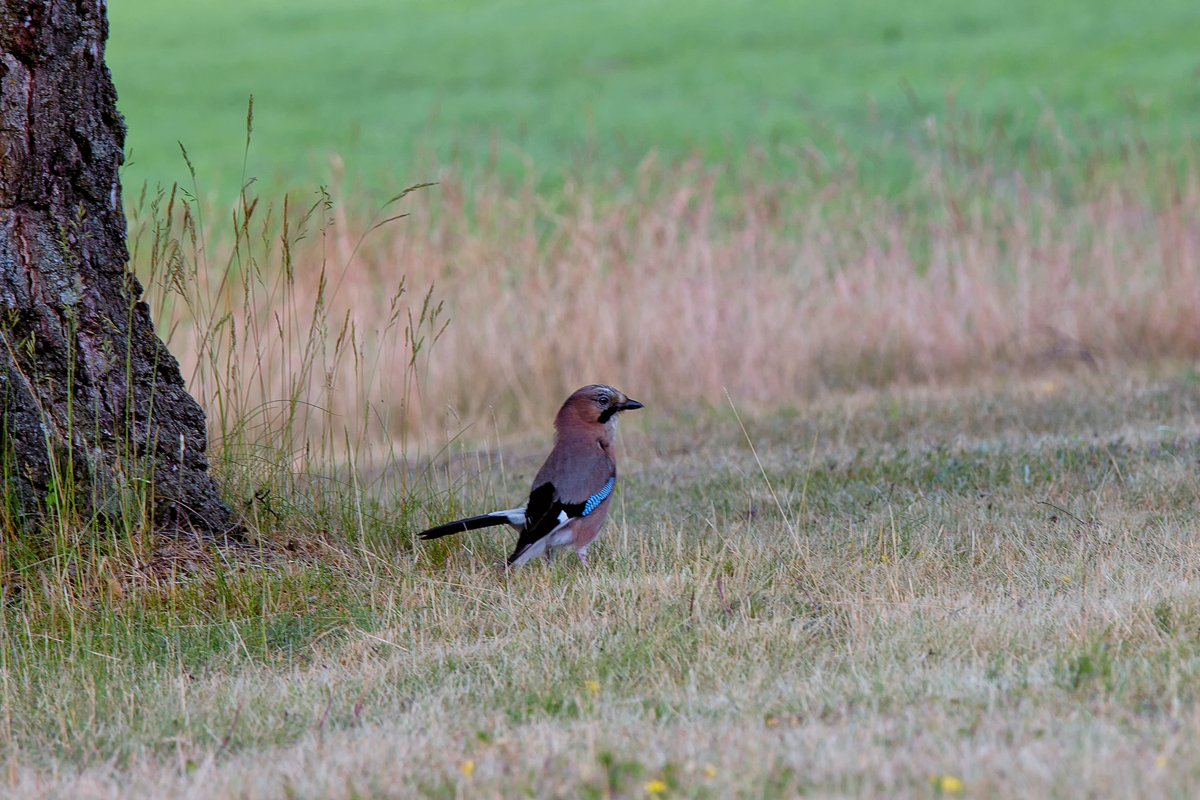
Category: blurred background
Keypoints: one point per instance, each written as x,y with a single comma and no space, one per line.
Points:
679,197
565,82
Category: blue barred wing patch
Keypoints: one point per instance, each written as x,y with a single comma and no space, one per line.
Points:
598,497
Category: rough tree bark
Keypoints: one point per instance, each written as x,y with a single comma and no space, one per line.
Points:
85,384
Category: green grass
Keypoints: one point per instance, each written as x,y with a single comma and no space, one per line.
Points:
576,83
997,584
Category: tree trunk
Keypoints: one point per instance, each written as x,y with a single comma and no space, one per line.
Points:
95,411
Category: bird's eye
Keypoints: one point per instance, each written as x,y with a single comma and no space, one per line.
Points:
603,400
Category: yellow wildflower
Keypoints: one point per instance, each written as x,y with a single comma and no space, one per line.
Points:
946,784
710,771
592,686
468,767
655,787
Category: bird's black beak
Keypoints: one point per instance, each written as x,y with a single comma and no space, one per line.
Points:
629,405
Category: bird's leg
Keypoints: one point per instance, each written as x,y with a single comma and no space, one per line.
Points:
582,553
549,555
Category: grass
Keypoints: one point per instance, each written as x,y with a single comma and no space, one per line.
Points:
577,83
998,259
994,585
951,549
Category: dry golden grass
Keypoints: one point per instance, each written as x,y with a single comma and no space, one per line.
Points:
682,281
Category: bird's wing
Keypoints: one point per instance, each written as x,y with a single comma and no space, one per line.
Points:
546,512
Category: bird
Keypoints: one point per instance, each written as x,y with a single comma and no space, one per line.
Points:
572,491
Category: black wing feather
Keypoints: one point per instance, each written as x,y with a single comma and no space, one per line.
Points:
541,516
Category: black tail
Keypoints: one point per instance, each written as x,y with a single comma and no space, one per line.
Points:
468,524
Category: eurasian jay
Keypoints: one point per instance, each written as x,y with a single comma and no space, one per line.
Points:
572,490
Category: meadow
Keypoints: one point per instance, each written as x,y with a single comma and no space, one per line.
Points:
893,594
373,90
911,508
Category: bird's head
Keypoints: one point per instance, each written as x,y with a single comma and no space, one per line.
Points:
595,405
